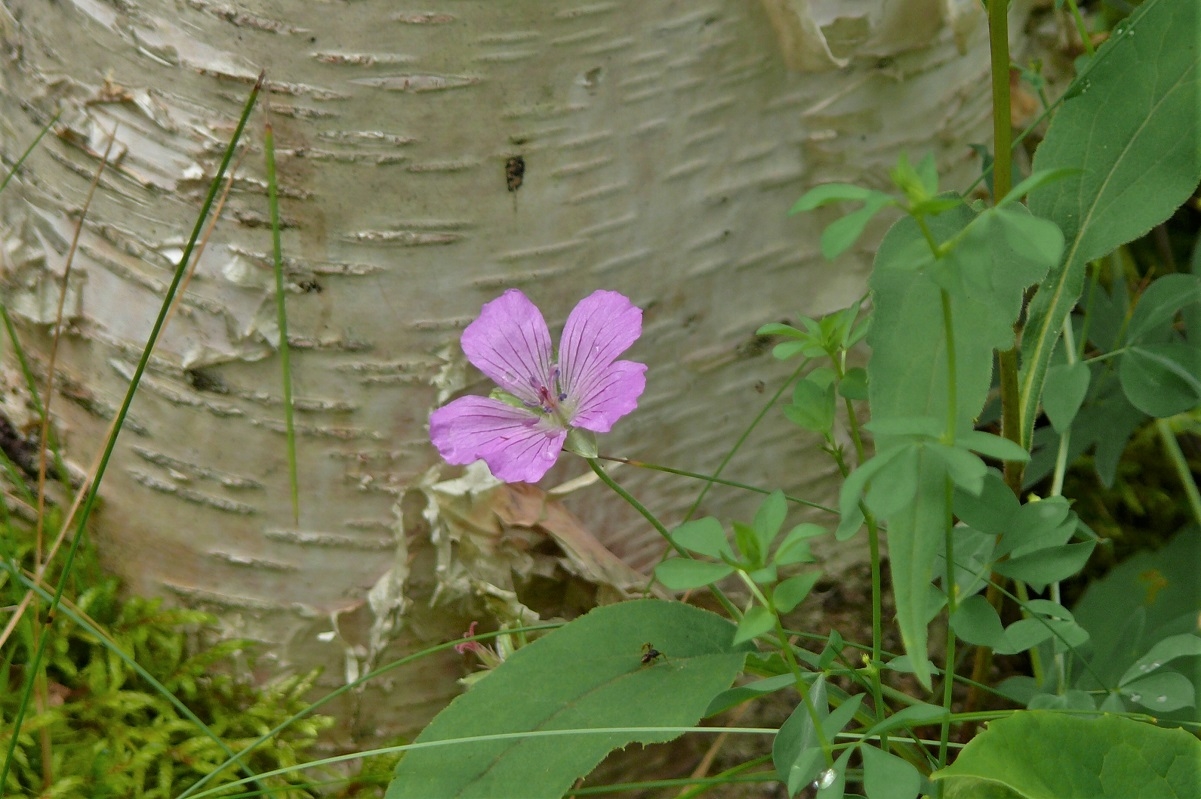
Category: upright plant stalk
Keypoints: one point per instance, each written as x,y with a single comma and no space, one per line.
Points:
285,361
1007,361
94,488
1002,176
949,554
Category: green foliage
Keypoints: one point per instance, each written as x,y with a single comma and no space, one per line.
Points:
1094,757
1133,130
589,675
111,733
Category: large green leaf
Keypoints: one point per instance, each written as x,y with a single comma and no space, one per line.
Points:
1132,131
996,255
588,674
1046,755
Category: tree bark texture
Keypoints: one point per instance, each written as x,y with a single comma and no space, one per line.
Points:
430,156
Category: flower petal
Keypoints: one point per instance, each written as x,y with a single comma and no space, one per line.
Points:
600,328
509,343
610,396
518,445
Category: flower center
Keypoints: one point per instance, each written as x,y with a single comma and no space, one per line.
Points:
549,397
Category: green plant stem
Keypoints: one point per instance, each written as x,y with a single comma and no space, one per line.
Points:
45,128
1172,447
709,481
873,544
713,479
952,604
94,488
948,322
282,315
948,329
1085,39
1002,128
608,480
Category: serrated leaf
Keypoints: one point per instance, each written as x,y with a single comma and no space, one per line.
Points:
1050,755
586,675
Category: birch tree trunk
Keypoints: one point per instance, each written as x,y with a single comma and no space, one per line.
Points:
662,144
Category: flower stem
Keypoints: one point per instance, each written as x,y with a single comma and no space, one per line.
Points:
658,525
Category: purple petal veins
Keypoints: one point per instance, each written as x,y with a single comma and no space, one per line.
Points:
587,388
510,343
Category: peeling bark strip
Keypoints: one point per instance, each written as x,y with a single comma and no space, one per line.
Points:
669,138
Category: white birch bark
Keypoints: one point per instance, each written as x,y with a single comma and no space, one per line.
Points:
663,143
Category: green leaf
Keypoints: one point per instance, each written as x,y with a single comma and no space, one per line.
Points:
683,574
1162,379
1040,569
795,546
831,193
742,693
918,714
854,384
796,753
1163,652
989,268
703,536
757,621
964,468
1067,384
1133,132
1035,181
793,591
1048,755
977,622
915,536
588,674
841,234
991,511
887,776
812,406
992,446
1038,525
1160,303
749,549
769,519
1163,691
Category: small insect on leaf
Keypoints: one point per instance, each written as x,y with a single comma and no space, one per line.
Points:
650,654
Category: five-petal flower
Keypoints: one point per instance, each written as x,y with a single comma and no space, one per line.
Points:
587,387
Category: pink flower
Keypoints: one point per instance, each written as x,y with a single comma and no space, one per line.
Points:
586,388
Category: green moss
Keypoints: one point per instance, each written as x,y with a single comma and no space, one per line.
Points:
100,729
